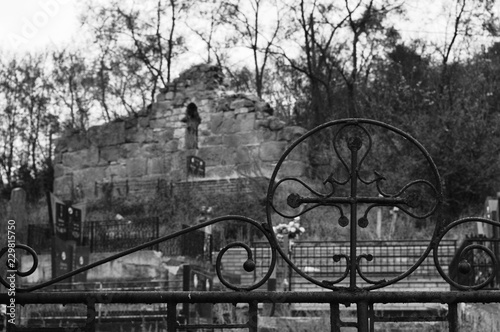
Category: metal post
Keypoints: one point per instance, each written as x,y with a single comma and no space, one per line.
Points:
171,316
363,317
253,316
354,145
186,287
453,317
335,322
91,316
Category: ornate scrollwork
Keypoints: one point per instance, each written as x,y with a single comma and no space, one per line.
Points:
248,265
352,144
464,266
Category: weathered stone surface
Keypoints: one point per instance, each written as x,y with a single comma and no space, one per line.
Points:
135,135
299,153
240,139
215,156
245,122
242,156
81,158
109,134
131,150
161,110
291,133
158,123
210,140
236,133
143,121
171,146
115,171
263,107
59,170
239,103
164,135
220,172
228,124
72,141
160,165
136,167
271,151
276,124
293,168
216,122
131,122
63,187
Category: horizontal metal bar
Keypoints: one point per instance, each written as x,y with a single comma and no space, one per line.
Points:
352,200
342,296
213,326
410,319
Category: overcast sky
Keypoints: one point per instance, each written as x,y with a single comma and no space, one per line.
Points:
33,25
36,24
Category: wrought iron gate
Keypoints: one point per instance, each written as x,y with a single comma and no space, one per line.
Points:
347,190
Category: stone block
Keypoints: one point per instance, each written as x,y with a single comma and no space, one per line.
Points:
158,123
179,99
136,135
276,124
242,156
293,168
80,159
109,154
216,122
240,103
131,123
130,150
143,121
263,107
171,146
245,122
209,140
73,141
59,170
241,139
179,133
220,172
161,110
291,133
151,150
115,171
63,187
228,125
112,133
136,167
271,151
216,156
163,135
159,165
299,153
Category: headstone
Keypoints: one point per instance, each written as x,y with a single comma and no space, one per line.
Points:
195,167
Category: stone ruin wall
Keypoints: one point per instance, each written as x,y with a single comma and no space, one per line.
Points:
238,137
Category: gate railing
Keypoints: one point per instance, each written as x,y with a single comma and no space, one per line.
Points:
349,193
480,262
391,257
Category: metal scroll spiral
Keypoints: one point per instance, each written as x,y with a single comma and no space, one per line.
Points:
248,265
464,266
359,145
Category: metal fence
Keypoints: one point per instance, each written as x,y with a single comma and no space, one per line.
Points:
481,263
351,142
389,258
118,235
114,235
